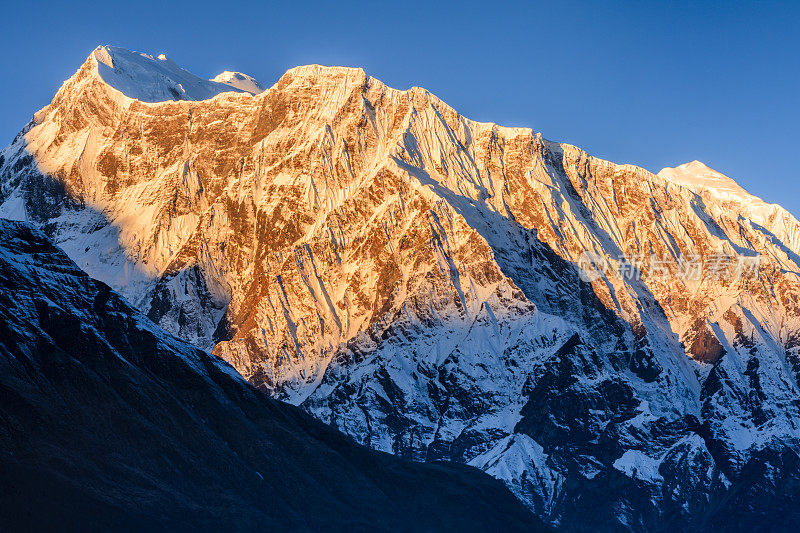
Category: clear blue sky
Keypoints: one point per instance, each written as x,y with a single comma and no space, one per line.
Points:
651,83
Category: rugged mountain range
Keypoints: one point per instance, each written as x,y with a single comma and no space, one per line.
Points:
109,423
445,289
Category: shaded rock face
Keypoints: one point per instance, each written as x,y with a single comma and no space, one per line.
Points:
705,347
108,422
412,277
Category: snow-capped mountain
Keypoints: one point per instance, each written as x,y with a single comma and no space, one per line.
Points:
155,79
109,423
420,280
240,81
723,193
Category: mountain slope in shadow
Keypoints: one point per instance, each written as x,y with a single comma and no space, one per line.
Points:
109,423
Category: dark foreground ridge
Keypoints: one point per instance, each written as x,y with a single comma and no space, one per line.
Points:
108,423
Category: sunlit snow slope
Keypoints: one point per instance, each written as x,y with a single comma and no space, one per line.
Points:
239,81
157,79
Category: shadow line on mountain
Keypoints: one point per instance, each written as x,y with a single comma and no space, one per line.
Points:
94,241
487,221
111,424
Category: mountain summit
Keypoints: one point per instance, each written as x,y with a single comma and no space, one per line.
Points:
621,348
239,81
158,79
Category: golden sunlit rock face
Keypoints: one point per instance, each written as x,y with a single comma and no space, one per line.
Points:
411,276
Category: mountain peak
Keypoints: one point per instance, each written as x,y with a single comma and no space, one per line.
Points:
709,183
239,81
327,75
698,177
156,79
696,168
316,70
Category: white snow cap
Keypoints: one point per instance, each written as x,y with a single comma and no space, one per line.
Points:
157,79
699,177
239,81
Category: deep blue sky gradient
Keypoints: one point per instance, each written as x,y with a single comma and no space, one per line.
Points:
651,83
